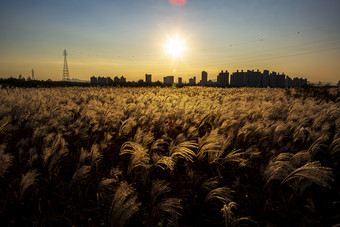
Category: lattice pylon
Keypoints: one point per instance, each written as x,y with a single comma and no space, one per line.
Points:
66,75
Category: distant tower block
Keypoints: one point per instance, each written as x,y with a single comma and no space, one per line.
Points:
66,75
33,74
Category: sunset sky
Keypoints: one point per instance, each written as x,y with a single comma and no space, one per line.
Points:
129,37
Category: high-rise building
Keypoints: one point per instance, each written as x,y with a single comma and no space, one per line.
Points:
116,79
237,79
122,79
252,78
109,80
272,79
204,78
102,80
94,80
180,80
257,78
223,78
192,81
168,80
147,78
265,79
288,82
280,81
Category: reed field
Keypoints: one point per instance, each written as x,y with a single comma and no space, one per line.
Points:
192,156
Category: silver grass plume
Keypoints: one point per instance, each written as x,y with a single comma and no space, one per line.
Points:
123,205
81,173
84,156
144,138
233,156
139,156
3,123
166,162
301,134
155,157
210,183
228,213
335,146
158,144
319,144
223,194
127,126
96,156
47,153
33,156
279,168
57,158
301,158
210,146
158,187
6,160
172,206
116,173
313,172
55,150
106,185
229,217
106,188
183,150
28,180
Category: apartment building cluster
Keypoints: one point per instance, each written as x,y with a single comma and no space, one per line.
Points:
252,78
106,80
249,78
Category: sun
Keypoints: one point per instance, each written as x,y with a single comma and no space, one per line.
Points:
175,46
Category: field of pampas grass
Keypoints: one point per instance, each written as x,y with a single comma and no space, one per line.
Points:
192,156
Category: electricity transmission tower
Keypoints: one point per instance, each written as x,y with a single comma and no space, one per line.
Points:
33,74
66,75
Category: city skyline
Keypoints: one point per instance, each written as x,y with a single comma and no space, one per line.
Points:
132,38
240,78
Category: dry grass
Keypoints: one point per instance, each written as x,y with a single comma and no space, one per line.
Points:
164,156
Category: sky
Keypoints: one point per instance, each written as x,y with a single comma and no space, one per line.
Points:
300,38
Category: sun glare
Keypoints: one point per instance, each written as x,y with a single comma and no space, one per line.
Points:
175,47
177,2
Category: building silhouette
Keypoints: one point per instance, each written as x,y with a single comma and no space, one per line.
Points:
204,79
288,82
148,78
180,81
253,78
223,78
109,80
237,79
116,79
265,78
102,80
106,80
192,81
122,79
93,80
168,79
250,78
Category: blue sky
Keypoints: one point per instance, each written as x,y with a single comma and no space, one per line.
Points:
300,38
